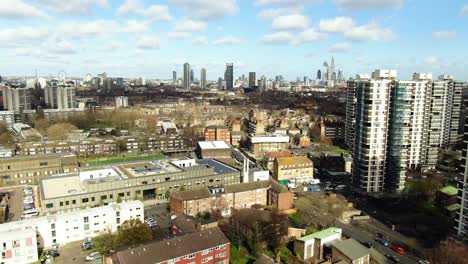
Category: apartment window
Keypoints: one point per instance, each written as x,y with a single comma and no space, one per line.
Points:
73,201
84,200
93,199
86,227
54,233
117,213
117,220
121,194
67,203
86,219
52,226
111,196
128,193
103,197
49,205
189,256
61,203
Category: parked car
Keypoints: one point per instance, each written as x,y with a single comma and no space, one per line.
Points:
149,220
87,245
52,253
383,242
28,207
29,214
93,256
398,249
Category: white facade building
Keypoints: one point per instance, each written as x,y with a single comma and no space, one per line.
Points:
121,101
18,246
68,227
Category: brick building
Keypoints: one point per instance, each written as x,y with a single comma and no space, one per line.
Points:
213,149
296,169
206,246
213,133
271,157
237,196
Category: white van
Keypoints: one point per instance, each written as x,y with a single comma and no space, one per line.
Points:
29,214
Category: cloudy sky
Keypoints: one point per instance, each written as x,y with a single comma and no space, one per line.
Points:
150,38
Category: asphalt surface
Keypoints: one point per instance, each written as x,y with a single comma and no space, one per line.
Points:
364,237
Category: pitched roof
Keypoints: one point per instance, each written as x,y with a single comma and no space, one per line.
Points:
278,154
193,194
172,248
293,160
249,186
352,249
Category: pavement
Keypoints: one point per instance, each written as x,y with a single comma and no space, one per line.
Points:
15,203
72,253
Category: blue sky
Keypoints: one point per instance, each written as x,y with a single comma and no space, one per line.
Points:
133,38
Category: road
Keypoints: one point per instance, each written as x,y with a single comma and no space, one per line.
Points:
363,237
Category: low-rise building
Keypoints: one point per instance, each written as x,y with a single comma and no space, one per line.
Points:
256,127
261,145
236,196
293,169
18,246
217,133
271,157
77,225
311,247
206,246
26,132
236,137
213,149
31,169
138,180
350,251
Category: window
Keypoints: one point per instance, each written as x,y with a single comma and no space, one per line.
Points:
49,205
103,197
54,233
121,194
93,199
111,196
86,227
73,201
117,213
189,256
84,200
42,163
86,219
61,203
52,226
128,193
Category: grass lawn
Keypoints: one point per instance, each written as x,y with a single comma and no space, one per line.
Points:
119,159
240,256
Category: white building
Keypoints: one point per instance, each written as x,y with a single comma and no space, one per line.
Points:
18,246
75,226
59,97
121,101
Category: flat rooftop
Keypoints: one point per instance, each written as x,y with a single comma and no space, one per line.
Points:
60,186
218,166
218,144
147,168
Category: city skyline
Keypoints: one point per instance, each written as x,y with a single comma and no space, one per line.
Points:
149,39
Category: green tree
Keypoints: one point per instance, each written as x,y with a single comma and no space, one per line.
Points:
133,232
105,242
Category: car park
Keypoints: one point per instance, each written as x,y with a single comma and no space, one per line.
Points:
29,214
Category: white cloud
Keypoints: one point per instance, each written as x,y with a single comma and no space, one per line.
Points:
309,35
432,60
281,2
336,25
201,40
357,5
17,9
371,31
73,6
208,9
148,42
270,13
290,22
153,12
179,35
22,35
340,47
444,34
189,25
60,46
110,46
464,10
229,40
281,37
102,27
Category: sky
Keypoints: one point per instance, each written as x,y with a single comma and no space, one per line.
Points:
150,38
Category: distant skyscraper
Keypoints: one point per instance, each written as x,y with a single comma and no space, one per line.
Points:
332,74
16,99
252,79
119,82
187,79
59,97
325,71
192,75
203,78
340,76
229,76
174,77
319,75
461,218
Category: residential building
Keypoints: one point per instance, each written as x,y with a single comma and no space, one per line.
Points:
272,156
16,99
213,149
297,169
311,247
452,109
7,118
169,128
350,251
26,132
121,101
59,96
206,246
261,145
332,130
213,133
137,180
187,80
203,78
31,169
236,138
75,226
252,79
229,76
174,77
461,219
18,246
235,196
256,127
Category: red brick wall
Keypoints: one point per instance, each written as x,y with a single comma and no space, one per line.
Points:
214,255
